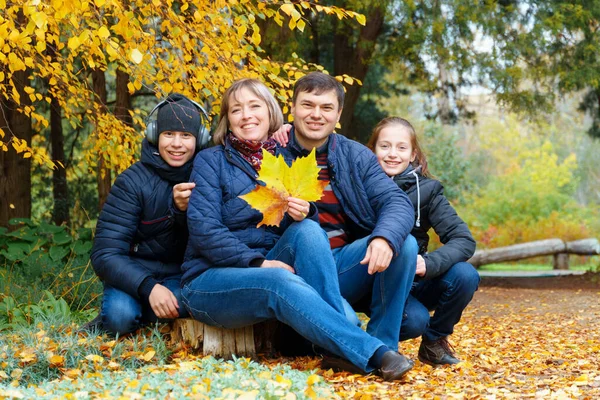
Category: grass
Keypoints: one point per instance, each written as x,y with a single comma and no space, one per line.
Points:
50,359
578,263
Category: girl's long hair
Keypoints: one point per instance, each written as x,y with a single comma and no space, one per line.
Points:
420,159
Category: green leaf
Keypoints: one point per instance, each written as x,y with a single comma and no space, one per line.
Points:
57,253
61,238
20,221
49,228
81,247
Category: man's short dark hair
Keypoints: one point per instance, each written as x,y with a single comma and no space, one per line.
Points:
319,83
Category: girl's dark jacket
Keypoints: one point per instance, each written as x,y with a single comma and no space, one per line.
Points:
432,210
140,234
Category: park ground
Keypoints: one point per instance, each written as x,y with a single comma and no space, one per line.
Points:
520,338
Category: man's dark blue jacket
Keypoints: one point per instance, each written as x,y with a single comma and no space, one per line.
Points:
140,235
374,203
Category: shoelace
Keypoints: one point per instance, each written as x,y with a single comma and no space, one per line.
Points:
447,346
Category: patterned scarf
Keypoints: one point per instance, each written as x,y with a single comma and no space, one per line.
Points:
251,150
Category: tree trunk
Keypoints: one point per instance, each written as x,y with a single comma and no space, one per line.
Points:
353,59
103,175
60,187
123,102
15,171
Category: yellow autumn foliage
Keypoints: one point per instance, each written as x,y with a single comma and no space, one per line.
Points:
194,47
281,181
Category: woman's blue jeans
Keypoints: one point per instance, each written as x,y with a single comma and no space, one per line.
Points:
449,294
388,289
121,313
309,301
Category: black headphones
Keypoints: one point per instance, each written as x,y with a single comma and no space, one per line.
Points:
152,124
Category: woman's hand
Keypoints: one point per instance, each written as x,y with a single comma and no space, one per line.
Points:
181,195
421,267
298,208
282,135
277,264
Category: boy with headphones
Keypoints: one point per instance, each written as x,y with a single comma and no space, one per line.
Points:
141,233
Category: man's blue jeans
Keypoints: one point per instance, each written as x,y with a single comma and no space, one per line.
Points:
309,301
449,294
122,313
389,289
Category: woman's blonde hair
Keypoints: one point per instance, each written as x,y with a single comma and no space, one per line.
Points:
259,90
420,158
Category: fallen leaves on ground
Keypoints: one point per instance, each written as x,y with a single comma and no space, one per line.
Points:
299,181
514,343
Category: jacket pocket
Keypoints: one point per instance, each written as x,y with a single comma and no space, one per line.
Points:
152,229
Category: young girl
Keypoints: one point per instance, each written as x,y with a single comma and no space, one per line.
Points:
444,281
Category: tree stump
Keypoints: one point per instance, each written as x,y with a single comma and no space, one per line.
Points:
224,343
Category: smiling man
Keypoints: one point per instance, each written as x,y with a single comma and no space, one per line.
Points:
366,217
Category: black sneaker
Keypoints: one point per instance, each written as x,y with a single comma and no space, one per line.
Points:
394,365
94,325
437,352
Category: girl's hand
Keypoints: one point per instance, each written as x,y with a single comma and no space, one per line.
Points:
421,268
298,209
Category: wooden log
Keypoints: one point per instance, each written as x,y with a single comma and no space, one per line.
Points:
218,342
518,252
561,261
584,247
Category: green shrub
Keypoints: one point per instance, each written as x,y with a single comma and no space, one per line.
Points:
34,258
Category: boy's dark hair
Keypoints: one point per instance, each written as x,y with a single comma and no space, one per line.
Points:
319,83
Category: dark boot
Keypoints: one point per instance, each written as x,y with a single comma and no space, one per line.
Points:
394,365
437,352
338,364
94,325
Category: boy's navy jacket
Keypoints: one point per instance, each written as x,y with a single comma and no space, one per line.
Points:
222,226
375,205
434,211
140,233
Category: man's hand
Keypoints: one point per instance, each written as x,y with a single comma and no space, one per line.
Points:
277,264
421,267
379,255
181,195
163,302
282,135
297,208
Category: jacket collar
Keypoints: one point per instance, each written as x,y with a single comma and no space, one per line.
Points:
298,150
234,157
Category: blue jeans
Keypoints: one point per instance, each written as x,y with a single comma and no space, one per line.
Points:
388,289
309,301
449,294
121,313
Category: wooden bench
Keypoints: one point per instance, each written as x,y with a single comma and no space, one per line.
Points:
223,343
555,247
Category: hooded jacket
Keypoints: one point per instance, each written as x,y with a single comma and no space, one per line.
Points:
367,195
140,234
432,210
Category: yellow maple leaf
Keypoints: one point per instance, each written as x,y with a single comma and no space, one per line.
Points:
56,361
299,181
